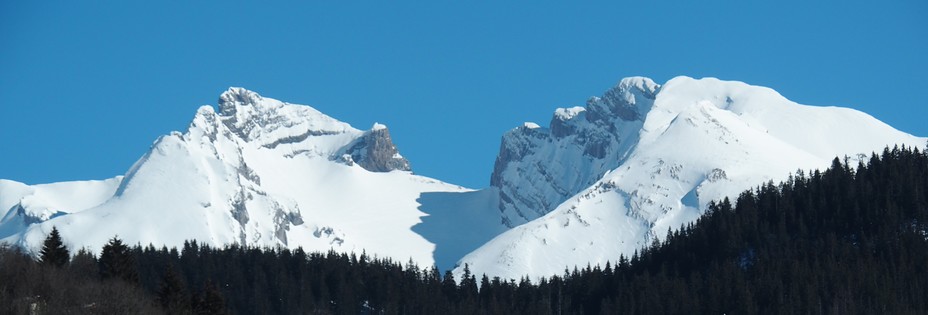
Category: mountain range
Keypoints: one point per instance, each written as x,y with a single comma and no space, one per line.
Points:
598,181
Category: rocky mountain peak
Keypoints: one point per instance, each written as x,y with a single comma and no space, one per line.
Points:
269,122
623,100
375,151
235,97
586,141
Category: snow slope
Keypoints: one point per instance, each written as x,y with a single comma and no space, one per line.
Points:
258,172
642,159
23,204
599,181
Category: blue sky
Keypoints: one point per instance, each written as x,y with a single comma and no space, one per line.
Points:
86,87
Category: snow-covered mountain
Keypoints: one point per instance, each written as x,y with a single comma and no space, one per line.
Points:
258,172
599,181
602,180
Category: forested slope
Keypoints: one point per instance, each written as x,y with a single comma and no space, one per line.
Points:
852,239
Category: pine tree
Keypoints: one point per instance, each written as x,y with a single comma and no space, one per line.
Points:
172,293
117,261
449,287
211,302
54,253
468,285
84,264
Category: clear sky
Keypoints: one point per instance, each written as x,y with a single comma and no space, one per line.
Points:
86,87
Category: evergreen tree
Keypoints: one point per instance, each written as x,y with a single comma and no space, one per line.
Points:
116,261
468,285
84,264
172,293
840,241
211,301
54,253
449,287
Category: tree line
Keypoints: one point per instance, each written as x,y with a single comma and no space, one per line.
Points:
852,239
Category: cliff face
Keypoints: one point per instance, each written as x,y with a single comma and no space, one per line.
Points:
538,168
375,151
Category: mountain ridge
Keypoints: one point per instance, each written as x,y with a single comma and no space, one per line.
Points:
699,140
256,172
600,180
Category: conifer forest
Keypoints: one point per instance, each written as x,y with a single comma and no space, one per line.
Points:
852,239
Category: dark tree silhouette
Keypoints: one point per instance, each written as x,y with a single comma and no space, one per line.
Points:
847,240
54,253
172,293
116,261
211,301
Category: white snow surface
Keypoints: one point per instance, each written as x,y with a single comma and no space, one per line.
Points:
599,181
693,142
23,204
260,172
568,113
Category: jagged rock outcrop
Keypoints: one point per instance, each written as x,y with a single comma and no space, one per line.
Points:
538,168
272,124
376,152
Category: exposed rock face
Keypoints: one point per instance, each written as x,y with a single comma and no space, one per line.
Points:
271,124
376,152
538,168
